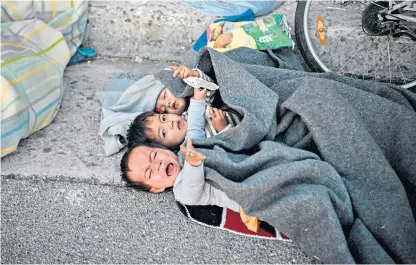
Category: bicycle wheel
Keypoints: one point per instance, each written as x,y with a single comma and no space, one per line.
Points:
349,46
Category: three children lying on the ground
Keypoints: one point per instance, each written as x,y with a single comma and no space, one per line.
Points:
177,120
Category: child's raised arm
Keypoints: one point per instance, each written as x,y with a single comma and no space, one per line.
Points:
196,115
193,157
182,71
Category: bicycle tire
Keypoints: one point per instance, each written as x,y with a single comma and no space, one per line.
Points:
301,40
311,61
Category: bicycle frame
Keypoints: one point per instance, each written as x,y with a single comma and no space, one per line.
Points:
407,5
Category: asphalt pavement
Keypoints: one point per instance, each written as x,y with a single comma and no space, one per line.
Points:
69,222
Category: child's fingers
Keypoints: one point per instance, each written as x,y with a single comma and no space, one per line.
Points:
183,73
200,156
187,73
221,113
195,73
173,67
183,149
196,155
189,144
177,71
211,112
216,112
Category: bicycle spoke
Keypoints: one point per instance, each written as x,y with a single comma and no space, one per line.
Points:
388,54
336,8
374,3
346,36
412,69
404,79
398,64
362,46
375,68
332,29
366,64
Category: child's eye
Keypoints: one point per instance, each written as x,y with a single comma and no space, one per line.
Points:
150,175
164,133
163,117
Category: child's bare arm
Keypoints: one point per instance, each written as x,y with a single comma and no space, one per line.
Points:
182,71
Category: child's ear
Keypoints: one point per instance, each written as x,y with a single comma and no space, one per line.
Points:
157,190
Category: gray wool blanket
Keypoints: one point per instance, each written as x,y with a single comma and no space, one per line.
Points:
328,160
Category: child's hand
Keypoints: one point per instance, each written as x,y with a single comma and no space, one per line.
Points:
200,93
251,222
218,119
182,71
191,155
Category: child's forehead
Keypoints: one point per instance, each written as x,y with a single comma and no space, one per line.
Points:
152,118
150,132
150,123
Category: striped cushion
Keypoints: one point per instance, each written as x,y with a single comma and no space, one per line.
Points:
33,59
68,16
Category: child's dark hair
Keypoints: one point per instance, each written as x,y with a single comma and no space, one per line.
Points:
124,168
136,134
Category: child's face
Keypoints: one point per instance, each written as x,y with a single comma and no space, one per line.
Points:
168,103
154,167
166,129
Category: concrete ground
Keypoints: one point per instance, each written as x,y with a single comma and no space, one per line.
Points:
62,200
150,30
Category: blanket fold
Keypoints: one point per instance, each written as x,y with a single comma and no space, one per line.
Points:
326,159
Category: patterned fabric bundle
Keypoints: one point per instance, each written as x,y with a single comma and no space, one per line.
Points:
67,16
33,58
